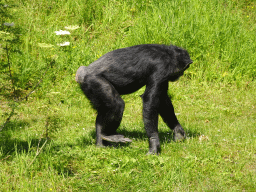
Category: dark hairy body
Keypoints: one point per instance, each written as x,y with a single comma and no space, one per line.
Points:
124,71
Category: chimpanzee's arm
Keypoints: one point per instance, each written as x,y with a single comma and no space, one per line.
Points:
151,103
166,111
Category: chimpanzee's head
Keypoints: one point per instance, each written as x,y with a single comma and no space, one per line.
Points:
183,62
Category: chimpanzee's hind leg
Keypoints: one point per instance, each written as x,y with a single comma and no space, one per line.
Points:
107,122
110,107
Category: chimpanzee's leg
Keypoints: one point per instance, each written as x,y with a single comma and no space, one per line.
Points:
99,127
107,122
166,111
110,107
151,101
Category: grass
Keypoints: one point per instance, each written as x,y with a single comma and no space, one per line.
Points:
218,155
49,142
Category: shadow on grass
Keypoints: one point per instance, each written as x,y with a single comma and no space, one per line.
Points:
10,146
164,135
14,126
65,157
140,134
193,133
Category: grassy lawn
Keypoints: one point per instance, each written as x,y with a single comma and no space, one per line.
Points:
48,143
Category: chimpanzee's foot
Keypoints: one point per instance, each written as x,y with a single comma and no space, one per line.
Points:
178,133
154,145
115,138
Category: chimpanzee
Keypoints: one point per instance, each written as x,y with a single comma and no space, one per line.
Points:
124,71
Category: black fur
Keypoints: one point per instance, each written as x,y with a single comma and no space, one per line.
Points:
124,71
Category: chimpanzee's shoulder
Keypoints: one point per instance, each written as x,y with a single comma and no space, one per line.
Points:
143,49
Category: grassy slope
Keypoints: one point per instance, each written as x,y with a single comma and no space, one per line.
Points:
214,100
218,155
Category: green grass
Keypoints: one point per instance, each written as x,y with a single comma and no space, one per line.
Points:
219,154
49,142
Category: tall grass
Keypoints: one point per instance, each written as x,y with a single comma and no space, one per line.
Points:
215,33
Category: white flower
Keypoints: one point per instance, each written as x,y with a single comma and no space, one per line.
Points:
60,32
72,27
64,44
9,24
203,138
44,45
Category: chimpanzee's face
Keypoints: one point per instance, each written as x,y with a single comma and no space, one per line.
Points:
177,75
183,60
